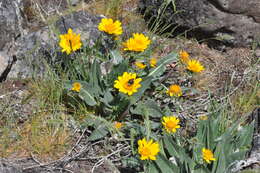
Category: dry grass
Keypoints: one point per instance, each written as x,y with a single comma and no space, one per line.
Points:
123,10
246,101
222,68
230,77
43,136
46,137
44,132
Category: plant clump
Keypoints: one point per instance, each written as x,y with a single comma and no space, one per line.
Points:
121,101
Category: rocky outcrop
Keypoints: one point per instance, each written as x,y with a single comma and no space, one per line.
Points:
10,21
233,22
26,43
11,28
35,49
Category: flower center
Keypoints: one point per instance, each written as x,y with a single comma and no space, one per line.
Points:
110,27
170,124
145,151
194,67
129,84
139,42
208,155
174,90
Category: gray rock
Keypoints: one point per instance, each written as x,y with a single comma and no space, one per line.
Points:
32,51
35,49
10,21
3,62
81,22
235,22
7,168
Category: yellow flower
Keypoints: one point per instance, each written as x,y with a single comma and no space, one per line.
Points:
171,123
110,27
207,155
194,66
153,62
184,56
118,125
76,87
70,42
174,90
137,43
203,117
148,149
140,65
128,83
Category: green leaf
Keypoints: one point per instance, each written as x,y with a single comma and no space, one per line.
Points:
68,84
138,109
100,132
200,169
107,98
86,95
152,168
131,162
161,64
170,147
145,84
95,78
116,57
165,165
227,134
86,91
201,135
177,151
236,156
150,106
153,109
245,135
220,164
117,70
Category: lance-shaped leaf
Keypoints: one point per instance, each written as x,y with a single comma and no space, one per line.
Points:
100,132
145,84
160,68
95,78
116,57
165,165
87,96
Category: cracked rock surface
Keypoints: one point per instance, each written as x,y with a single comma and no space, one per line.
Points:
10,21
234,22
31,49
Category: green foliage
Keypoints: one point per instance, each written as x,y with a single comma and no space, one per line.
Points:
228,146
97,70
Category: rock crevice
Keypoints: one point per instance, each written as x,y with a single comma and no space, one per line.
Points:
232,22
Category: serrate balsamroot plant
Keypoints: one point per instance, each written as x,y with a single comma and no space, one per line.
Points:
113,92
120,96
